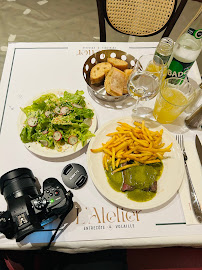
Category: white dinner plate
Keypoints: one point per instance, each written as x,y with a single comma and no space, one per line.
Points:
168,184
36,147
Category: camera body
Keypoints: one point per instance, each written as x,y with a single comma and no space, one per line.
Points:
28,208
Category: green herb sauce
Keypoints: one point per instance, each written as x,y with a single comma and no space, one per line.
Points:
141,177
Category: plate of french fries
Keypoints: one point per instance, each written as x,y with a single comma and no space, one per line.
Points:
127,139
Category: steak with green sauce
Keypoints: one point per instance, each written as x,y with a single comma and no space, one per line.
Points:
142,177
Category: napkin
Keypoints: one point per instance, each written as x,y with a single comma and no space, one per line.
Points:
194,167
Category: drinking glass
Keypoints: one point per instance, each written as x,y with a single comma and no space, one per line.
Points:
145,79
174,97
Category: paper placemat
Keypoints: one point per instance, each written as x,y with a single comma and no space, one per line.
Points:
34,68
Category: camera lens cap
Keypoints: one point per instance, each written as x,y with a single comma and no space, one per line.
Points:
74,176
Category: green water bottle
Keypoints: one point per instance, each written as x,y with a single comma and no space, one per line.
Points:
186,50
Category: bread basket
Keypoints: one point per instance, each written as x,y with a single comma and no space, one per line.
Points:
101,56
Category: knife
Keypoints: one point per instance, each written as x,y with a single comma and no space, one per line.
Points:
199,148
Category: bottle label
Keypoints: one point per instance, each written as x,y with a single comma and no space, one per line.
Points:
196,33
178,69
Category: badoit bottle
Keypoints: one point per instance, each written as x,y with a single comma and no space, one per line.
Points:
186,50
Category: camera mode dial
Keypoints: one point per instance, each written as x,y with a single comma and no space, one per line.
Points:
40,203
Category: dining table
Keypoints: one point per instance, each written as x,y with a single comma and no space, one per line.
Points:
95,222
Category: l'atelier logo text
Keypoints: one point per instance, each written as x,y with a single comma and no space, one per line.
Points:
91,50
100,216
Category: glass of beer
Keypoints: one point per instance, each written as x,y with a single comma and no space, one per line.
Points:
174,96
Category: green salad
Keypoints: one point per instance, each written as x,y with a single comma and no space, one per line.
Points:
57,121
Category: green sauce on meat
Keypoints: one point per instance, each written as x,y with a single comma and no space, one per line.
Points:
115,180
140,177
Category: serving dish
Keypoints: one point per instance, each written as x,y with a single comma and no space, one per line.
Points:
67,150
168,184
101,56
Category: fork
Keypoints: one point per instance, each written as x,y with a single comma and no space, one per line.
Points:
194,200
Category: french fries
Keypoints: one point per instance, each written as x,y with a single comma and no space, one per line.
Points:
137,144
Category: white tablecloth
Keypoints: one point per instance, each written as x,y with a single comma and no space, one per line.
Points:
33,68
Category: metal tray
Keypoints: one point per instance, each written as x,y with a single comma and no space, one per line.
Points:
101,56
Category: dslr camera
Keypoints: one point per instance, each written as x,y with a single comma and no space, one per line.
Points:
28,208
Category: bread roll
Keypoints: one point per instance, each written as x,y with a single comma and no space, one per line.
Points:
114,82
127,74
99,71
118,63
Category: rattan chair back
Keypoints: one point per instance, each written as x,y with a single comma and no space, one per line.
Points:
138,17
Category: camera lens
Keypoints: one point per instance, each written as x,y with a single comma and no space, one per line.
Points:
17,183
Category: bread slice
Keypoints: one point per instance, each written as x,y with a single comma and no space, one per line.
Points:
99,71
118,63
114,82
127,74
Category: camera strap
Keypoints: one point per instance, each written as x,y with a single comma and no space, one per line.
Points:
62,218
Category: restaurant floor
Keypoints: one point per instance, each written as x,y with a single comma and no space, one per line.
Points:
72,21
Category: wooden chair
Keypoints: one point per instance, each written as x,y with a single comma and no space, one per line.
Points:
139,17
